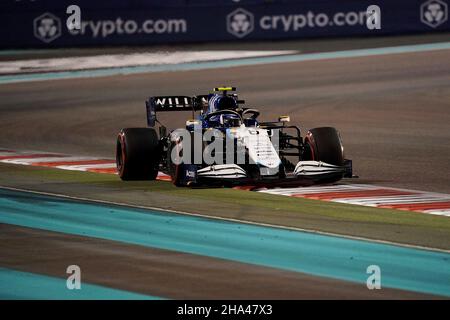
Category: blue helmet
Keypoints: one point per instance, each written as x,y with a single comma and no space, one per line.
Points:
221,102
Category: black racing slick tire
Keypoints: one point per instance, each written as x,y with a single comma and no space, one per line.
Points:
138,154
324,144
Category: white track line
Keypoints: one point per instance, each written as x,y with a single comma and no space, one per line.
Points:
87,166
443,212
309,190
130,60
392,200
32,161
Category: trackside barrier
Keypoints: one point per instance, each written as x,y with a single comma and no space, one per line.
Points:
42,23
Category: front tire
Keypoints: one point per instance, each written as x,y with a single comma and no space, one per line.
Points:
138,154
324,144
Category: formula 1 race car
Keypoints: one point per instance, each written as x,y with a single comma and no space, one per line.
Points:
225,144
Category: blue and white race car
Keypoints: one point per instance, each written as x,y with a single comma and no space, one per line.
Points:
225,144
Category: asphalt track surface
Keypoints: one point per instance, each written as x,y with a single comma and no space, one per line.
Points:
391,110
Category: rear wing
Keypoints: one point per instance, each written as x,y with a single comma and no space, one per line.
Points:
172,103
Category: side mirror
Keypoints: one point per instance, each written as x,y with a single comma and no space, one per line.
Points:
193,123
284,119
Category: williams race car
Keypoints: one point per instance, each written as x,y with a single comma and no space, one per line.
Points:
225,144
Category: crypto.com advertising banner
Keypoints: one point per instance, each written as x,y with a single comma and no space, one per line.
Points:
43,23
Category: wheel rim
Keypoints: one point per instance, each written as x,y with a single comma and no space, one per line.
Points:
120,154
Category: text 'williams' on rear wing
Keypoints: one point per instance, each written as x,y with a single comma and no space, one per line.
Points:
172,103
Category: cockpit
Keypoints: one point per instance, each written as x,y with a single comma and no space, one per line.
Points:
223,110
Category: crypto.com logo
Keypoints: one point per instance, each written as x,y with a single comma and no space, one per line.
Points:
47,27
240,22
434,13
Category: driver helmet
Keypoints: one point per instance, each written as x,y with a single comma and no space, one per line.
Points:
221,102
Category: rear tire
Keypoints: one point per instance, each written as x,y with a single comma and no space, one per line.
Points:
138,154
324,145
